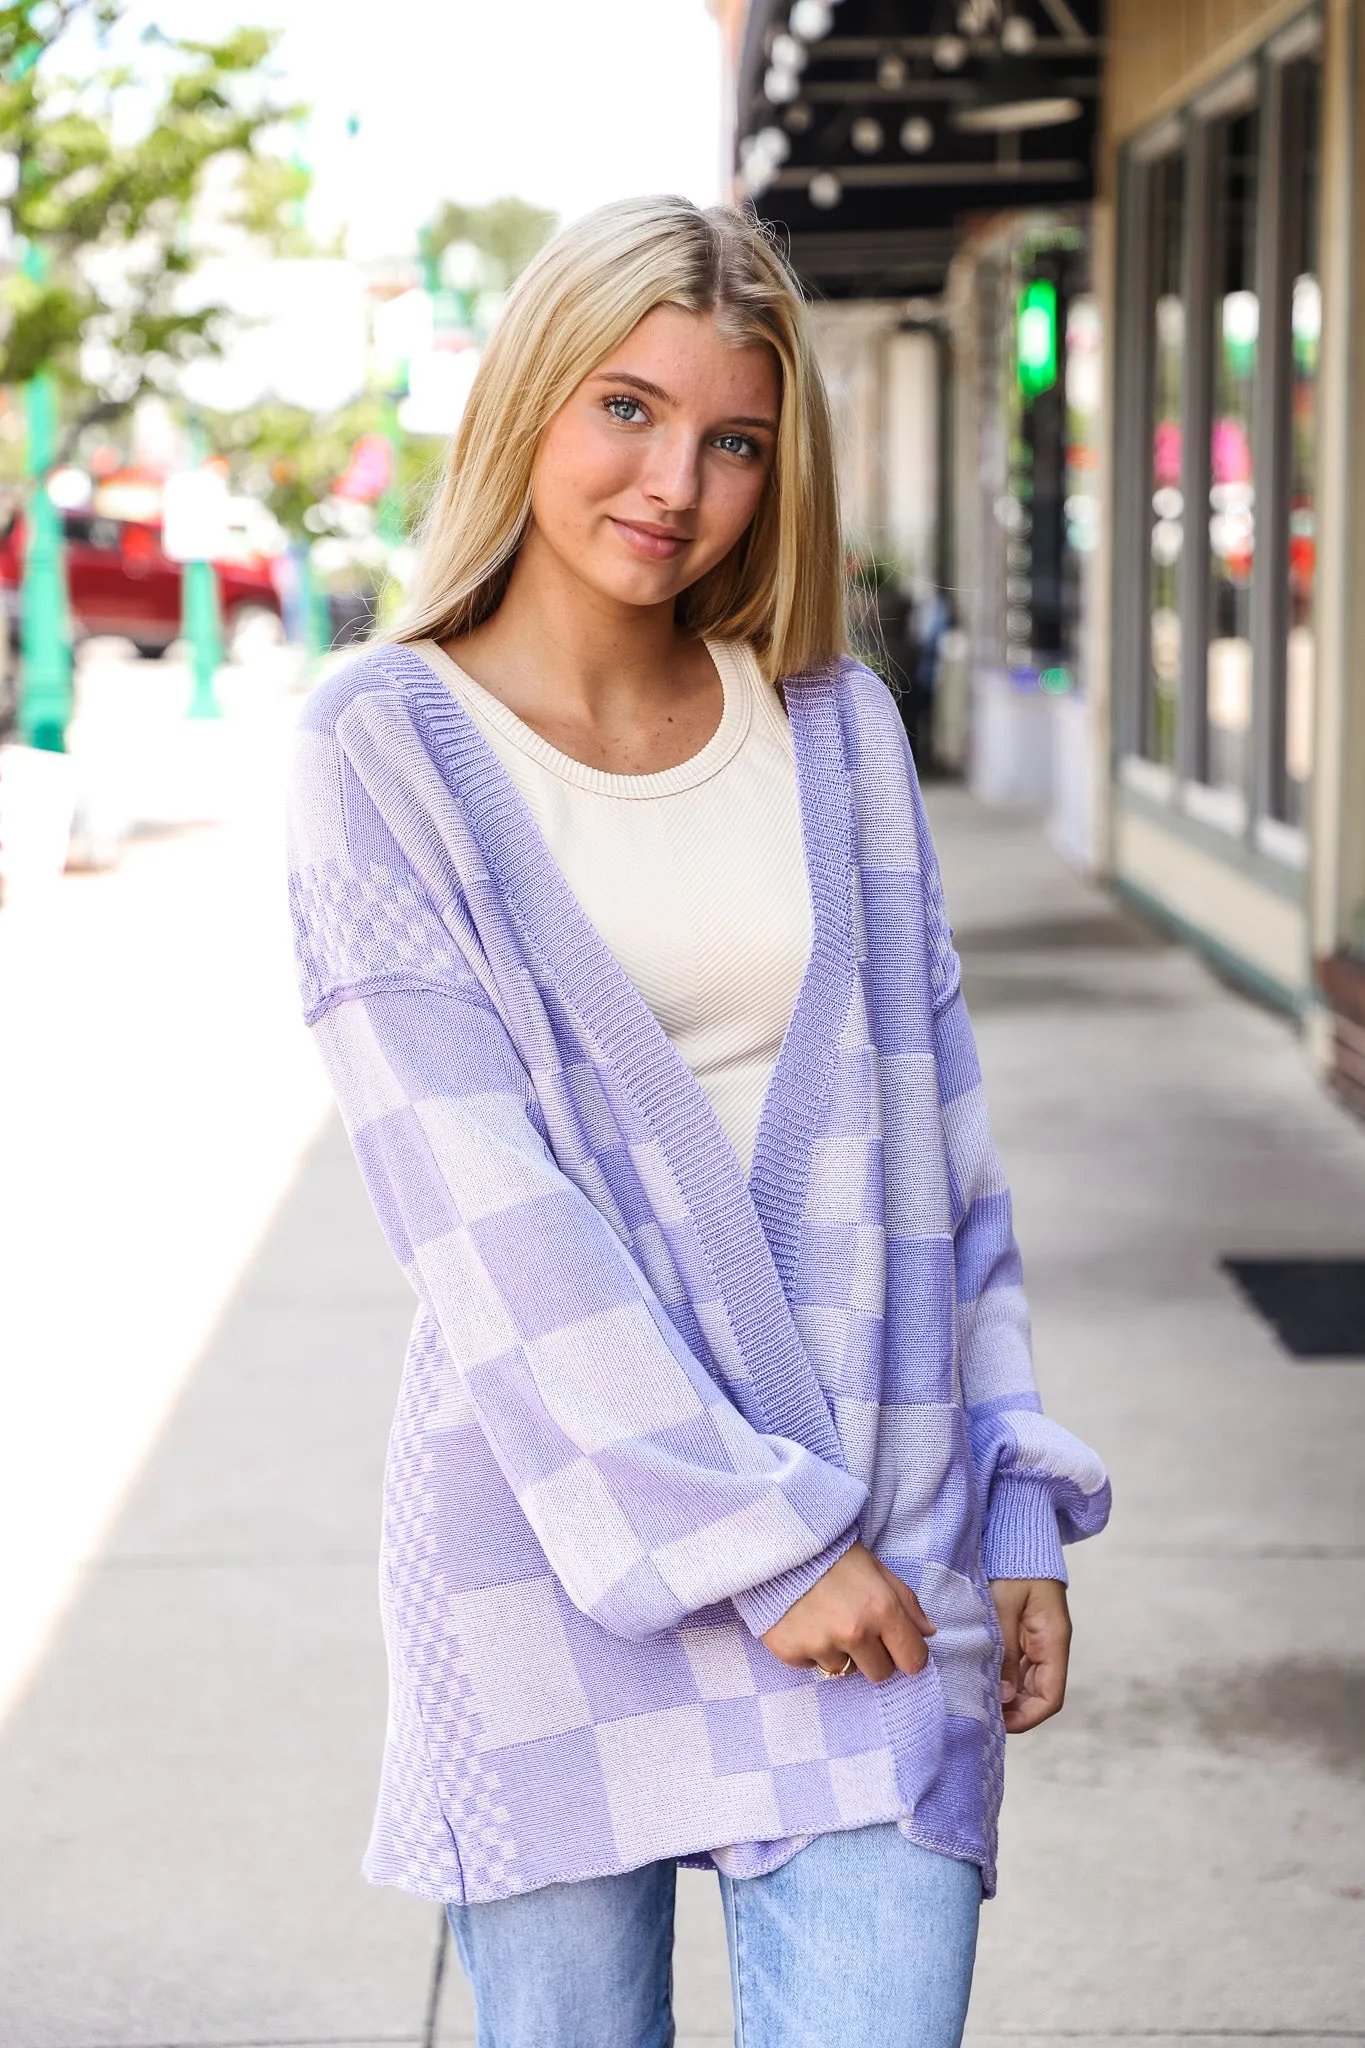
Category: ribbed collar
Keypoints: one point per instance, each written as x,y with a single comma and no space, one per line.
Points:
724,743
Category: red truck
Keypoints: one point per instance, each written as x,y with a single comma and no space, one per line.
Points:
122,583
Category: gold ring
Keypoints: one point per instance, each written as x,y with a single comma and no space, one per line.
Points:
842,1672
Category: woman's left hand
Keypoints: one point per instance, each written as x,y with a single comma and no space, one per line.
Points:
1036,1627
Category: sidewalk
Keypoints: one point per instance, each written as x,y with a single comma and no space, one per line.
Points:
187,1779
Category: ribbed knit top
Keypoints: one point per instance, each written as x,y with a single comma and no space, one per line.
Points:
694,877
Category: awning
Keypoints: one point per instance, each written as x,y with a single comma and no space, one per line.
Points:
873,131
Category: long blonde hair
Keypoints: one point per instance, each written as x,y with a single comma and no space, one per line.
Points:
781,587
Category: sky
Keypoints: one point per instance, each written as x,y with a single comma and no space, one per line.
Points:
564,102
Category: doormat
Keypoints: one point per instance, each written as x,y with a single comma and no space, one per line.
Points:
1316,1307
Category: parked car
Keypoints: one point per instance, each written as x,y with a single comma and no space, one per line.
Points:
122,583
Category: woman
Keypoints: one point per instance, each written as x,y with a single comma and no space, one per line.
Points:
621,935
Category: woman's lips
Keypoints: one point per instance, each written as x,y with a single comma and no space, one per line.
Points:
651,543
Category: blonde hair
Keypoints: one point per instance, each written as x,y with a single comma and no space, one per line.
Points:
781,587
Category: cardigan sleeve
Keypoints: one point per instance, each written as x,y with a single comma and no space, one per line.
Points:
1040,1487
650,1494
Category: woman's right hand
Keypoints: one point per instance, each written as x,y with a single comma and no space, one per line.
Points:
858,1609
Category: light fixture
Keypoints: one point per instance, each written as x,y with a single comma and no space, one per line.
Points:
891,72
949,53
824,190
780,86
867,135
788,54
917,135
760,158
811,19
1015,94
1018,35
797,118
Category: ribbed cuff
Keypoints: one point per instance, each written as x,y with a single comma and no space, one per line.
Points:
1021,1540
764,1606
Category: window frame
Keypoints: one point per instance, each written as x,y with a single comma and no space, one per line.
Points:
1301,41
1243,816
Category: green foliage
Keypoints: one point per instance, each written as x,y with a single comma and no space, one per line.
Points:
272,191
106,213
507,231
291,458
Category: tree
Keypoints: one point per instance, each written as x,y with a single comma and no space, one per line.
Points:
507,231
109,216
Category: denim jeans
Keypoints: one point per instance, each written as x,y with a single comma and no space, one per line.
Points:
862,1940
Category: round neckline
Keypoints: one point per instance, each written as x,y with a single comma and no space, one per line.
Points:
732,666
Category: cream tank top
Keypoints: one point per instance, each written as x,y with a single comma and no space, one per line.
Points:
695,877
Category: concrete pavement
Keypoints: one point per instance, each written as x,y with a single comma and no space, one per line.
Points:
186,1780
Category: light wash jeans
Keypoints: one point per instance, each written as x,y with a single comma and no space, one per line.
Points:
863,1940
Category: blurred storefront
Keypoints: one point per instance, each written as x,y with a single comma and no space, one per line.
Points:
1085,301
1238,714
933,169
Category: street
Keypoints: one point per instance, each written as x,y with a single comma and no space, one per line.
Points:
200,1362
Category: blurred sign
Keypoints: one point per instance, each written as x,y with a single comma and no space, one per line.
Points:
128,494
1036,341
370,471
196,516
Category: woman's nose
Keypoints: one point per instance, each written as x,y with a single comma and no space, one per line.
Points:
672,471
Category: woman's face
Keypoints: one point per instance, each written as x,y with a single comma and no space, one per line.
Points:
650,473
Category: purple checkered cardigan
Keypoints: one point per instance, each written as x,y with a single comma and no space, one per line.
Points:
646,1404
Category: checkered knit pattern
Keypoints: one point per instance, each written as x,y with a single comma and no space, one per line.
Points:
647,1402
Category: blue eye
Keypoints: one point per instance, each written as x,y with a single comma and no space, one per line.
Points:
626,409
738,444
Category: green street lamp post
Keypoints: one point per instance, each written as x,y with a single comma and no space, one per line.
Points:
201,623
45,637
201,619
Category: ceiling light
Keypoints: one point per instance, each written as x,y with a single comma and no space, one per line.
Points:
891,72
917,135
825,190
1018,35
780,86
811,19
1014,95
798,118
760,158
950,53
789,55
867,135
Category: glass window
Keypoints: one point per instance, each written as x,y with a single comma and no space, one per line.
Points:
1166,506
1293,744
1232,485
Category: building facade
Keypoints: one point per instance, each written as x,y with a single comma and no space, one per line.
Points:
1087,287
1235,798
